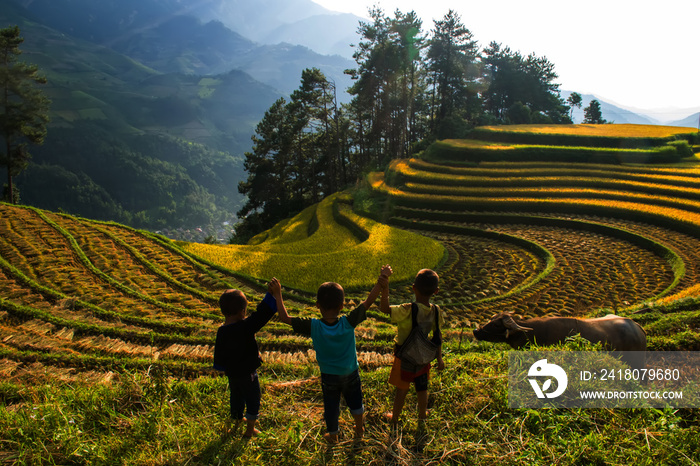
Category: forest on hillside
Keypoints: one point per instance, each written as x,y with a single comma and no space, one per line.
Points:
156,149
410,87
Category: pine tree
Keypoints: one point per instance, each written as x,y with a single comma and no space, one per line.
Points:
453,67
528,80
267,187
387,84
23,107
296,158
593,114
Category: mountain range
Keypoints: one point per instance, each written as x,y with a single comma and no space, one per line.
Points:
130,80
615,113
127,78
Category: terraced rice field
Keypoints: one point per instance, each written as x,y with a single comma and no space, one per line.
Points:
572,238
82,300
619,236
327,242
615,131
85,299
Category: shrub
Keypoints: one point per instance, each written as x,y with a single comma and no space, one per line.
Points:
682,148
479,151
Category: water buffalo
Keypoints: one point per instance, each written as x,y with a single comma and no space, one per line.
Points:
615,332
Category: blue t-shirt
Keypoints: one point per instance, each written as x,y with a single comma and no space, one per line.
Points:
334,344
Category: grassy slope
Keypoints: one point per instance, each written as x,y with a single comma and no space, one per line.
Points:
331,253
148,419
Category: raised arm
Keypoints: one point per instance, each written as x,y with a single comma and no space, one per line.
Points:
382,282
359,314
275,288
374,293
384,306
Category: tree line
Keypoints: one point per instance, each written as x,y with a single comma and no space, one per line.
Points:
409,88
23,108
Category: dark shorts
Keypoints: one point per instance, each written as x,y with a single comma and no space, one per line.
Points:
245,396
350,387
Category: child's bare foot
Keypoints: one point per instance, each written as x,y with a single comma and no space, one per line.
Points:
359,425
331,438
389,416
359,432
250,433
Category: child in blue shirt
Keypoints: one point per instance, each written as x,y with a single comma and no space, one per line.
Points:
333,340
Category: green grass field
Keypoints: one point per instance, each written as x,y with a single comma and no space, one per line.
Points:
341,247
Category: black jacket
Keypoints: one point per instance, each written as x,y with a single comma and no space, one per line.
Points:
236,351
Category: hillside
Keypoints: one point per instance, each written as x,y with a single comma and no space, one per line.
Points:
106,332
132,144
151,113
692,121
326,242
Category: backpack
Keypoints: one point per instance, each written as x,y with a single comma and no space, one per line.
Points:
417,350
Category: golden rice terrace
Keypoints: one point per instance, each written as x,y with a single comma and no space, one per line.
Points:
587,231
537,230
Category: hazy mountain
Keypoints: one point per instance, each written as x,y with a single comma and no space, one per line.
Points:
281,65
182,44
670,115
196,36
329,34
129,143
254,19
619,114
692,121
612,113
298,22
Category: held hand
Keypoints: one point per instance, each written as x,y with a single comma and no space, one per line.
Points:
386,271
274,287
383,281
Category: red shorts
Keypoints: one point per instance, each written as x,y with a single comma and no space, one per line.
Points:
402,379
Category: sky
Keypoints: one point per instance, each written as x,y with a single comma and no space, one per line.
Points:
638,54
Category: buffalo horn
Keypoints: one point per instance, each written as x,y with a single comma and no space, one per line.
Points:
512,325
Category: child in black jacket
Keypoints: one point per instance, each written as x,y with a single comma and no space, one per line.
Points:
236,351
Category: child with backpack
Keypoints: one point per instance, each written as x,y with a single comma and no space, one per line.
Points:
413,351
